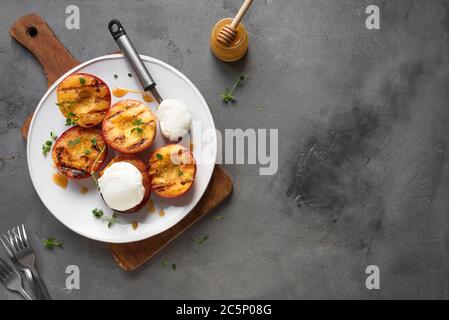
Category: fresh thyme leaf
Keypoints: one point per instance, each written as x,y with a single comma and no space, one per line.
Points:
46,147
201,240
70,120
87,152
112,220
137,123
241,79
50,243
73,143
173,266
180,173
228,94
94,141
218,218
82,81
159,156
98,213
164,263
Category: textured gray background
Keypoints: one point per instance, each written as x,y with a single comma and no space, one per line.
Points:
316,72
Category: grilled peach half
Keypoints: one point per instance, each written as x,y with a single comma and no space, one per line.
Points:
79,152
172,170
129,126
84,99
136,162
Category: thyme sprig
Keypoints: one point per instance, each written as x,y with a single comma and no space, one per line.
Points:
228,94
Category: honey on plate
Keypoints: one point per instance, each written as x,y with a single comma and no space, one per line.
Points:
121,92
236,49
84,190
60,180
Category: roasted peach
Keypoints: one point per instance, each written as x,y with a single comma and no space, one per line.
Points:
129,126
79,152
83,99
172,170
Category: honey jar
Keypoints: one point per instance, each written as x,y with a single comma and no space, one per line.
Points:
236,49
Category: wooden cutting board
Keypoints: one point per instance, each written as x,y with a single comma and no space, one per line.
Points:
34,34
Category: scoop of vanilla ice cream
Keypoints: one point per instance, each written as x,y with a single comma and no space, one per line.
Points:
121,186
174,119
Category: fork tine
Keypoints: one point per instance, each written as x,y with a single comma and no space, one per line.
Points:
13,238
25,237
21,242
11,241
17,239
7,246
8,238
19,235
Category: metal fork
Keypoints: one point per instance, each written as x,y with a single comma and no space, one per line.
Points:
19,249
12,279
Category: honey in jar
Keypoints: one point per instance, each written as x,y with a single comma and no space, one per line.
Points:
238,46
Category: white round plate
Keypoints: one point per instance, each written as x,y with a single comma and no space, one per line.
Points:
74,209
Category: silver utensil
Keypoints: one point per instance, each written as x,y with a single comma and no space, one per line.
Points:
20,251
12,279
122,40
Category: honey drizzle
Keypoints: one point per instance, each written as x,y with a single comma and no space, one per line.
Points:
121,92
60,180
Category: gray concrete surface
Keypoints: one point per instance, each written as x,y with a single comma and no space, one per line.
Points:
373,105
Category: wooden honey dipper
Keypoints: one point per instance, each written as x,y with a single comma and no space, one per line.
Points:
229,32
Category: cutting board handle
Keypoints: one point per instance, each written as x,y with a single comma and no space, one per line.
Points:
33,33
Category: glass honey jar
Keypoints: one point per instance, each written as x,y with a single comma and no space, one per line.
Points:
238,46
